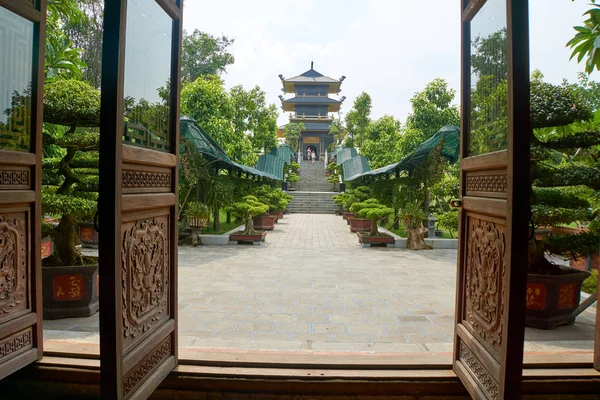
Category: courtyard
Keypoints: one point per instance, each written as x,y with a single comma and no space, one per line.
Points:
312,289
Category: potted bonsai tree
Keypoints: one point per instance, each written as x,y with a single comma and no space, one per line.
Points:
268,196
565,175
351,196
373,210
70,192
412,216
292,179
198,216
246,209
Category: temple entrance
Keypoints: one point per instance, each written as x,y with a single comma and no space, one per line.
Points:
312,149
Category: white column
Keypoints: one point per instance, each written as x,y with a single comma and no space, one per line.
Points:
325,160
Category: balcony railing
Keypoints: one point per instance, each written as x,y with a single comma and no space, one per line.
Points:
312,117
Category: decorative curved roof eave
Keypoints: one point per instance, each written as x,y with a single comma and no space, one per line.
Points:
311,77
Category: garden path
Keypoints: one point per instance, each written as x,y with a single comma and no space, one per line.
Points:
311,288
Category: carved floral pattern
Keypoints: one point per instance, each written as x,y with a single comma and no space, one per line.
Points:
488,183
13,263
567,296
483,376
14,178
485,276
145,179
145,275
146,366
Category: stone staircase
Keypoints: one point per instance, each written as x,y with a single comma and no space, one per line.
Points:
314,191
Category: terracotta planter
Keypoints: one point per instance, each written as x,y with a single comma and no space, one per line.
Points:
240,236
280,215
346,215
70,291
551,299
88,235
367,241
360,224
264,222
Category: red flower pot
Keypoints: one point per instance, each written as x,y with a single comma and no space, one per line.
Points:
264,222
360,224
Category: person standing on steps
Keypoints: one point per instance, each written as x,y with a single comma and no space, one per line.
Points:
313,156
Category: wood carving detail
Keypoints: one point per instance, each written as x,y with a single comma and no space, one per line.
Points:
13,264
146,366
19,341
487,183
14,178
145,275
485,275
145,179
479,372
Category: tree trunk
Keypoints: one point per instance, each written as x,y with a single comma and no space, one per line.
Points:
416,239
65,240
249,226
374,230
228,217
396,221
216,220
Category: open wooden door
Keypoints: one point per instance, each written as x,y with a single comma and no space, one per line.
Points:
22,40
138,195
493,240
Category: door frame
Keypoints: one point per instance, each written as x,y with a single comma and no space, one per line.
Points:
28,196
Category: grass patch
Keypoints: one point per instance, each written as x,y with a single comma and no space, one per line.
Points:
225,227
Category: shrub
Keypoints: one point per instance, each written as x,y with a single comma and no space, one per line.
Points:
590,285
372,210
246,209
448,221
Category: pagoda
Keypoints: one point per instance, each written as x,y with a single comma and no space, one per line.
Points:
312,106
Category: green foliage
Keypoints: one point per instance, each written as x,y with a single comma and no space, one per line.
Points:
553,105
71,103
590,285
196,209
247,208
358,120
548,216
351,196
292,177
448,221
276,199
373,210
380,144
331,167
432,108
53,203
489,55
412,215
295,167
292,134
577,245
558,197
585,43
204,54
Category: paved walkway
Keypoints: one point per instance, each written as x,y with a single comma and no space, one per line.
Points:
312,288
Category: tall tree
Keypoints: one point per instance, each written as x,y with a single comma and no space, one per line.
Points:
252,115
380,144
585,43
358,120
292,134
86,34
489,56
432,108
204,54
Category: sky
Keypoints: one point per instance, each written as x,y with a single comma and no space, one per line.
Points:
387,48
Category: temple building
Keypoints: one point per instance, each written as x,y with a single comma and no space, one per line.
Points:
312,106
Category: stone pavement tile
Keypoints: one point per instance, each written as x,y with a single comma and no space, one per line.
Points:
243,317
364,329
346,319
186,341
414,319
278,317
220,325
439,347
565,345
380,319
292,327
391,338
321,318
403,329
330,328
271,336
260,326
314,337
420,338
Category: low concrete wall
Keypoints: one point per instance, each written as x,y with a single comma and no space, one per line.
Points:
400,242
218,240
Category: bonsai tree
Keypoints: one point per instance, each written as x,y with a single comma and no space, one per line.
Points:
197,213
565,173
333,179
276,200
351,196
372,210
412,216
70,182
295,167
246,209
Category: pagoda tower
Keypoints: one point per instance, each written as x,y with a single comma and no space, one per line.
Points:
312,106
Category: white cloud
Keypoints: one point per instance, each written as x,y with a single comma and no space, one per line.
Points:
388,48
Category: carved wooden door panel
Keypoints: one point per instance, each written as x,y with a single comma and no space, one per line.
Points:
492,261
22,38
138,203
